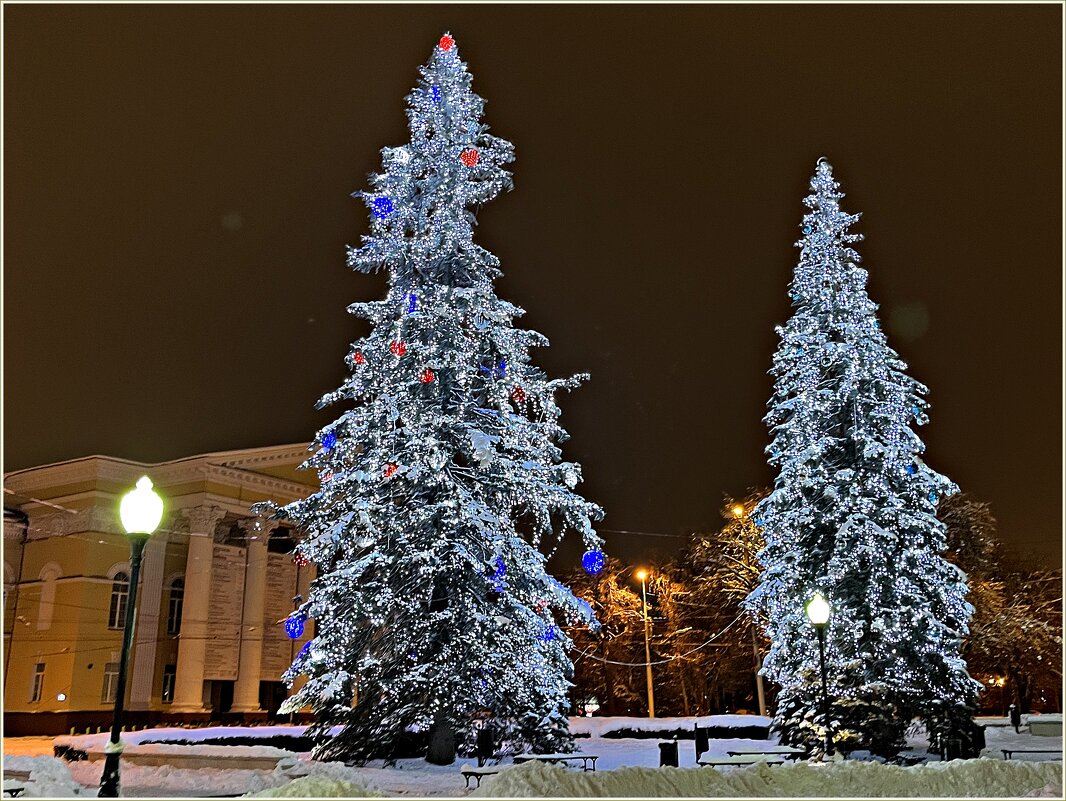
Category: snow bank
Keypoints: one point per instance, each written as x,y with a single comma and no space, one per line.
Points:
89,742
49,777
961,778
599,727
318,787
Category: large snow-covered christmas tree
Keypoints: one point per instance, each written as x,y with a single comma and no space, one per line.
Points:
853,513
443,485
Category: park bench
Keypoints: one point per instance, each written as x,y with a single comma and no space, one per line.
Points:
744,759
555,759
1008,751
470,772
781,750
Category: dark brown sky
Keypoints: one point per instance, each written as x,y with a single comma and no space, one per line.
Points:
177,204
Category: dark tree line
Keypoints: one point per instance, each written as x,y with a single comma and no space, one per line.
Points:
705,648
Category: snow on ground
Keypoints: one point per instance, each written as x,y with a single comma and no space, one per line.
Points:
626,767
49,778
847,779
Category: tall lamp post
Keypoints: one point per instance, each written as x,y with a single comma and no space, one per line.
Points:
642,574
140,511
740,512
818,614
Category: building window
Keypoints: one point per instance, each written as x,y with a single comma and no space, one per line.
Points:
170,675
37,688
177,595
120,595
110,688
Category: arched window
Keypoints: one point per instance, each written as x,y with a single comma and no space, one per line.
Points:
120,596
177,596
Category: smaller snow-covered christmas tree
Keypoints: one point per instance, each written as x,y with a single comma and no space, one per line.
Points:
853,512
443,485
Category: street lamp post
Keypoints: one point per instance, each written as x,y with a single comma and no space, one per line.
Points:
140,511
740,512
818,614
642,574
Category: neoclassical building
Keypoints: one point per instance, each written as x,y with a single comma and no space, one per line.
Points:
215,584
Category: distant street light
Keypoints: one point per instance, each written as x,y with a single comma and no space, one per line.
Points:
818,613
642,574
140,511
738,510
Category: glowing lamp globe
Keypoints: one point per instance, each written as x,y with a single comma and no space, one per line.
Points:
141,509
818,610
641,574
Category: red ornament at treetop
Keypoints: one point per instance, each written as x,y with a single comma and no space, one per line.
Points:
398,348
446,43
427,376
469,157
358,357
390,470
518,395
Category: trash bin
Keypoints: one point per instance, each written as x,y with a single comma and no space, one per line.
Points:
952,748
668,754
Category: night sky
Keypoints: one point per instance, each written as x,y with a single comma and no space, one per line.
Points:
177,184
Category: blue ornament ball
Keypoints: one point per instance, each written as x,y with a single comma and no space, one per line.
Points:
382,207
435,92
305,649
593,562
807,229
933,497
294,626
329,440
412,303
550,633
911,469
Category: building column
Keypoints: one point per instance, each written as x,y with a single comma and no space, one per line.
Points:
249,671
192,642
146,631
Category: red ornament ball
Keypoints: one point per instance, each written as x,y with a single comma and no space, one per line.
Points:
390,470
398,348
518,395
469,157
299,558
446,43
358,357
427,376
328,475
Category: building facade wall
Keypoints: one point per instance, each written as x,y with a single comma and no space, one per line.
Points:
60,573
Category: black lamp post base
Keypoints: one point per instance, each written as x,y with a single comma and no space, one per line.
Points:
109,782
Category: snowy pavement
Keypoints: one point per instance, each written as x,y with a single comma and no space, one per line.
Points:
627,767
